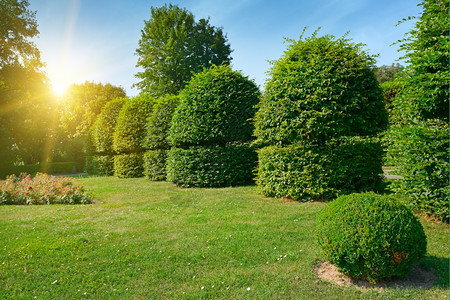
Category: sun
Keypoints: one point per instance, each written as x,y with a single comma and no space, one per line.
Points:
59,88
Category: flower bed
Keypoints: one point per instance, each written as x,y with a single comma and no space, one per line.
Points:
42,189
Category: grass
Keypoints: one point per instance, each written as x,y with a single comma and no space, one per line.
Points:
153,240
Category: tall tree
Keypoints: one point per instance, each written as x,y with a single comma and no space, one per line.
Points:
418,138
24,91
173,47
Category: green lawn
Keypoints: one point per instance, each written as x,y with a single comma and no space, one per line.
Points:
153,240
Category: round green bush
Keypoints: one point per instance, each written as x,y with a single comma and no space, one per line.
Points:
211,166
307,172
370,236
103,129
321,88
155,165
128,165
216,108
159,121
130,129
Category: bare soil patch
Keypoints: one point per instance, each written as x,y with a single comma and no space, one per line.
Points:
418,278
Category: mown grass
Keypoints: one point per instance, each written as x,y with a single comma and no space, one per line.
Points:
153,240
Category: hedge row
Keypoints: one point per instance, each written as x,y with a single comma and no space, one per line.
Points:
212,166
50,168
421,156
309,172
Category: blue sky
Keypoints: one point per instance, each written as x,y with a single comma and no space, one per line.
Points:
95,40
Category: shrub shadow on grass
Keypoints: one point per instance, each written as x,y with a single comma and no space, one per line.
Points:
429,272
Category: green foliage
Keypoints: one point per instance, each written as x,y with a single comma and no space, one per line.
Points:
128,165
27,111
370,236
130,127
216,108
18,26
314,172
82,103
158,123
418,140
103,129
421,156
387,73
42,189
425,80
321,88
211,166
50,168
173,47
155,165
100,165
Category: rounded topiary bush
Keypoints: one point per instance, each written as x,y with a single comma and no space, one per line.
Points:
130,128
370,236
103,129
321,88
155,164
128,165
216,108
307,172
158,123
210,130
211,166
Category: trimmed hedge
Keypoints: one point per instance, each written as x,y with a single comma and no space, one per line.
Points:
103,129
321,88
50,168
100,165
128,165
130,129
306,172
155,165
158,124
421,156
370,236
211,166
216,108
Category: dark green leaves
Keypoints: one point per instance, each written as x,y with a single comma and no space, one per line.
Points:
173,47
216,108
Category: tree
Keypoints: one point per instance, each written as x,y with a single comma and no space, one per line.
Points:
418,141
25,101
173,47
386,73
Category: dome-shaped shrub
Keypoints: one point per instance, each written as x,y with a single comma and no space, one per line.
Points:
158,123
130,129
158,126
128,165
210,129
211,166
321,88
320,111
370,236
103,128
216,108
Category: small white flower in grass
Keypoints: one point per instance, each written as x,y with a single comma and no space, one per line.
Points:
267,262
126,289
193,277
202,287
248,289
55,281
285,255
275,248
